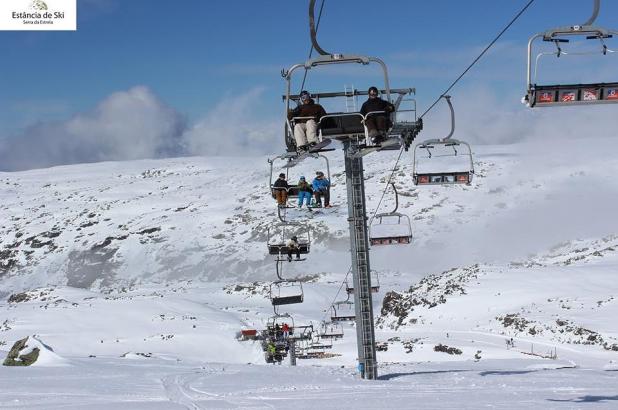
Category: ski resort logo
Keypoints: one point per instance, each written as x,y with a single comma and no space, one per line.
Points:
568,96
590,95
38,15
546,97
38,5
612,94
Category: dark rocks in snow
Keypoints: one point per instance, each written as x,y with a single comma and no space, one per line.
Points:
20,356
514,320
8,260
430,292
19,297
148,231
446,349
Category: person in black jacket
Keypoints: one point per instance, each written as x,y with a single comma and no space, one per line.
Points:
378,123
280,190
308,114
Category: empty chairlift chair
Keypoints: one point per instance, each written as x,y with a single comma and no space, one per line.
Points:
390,228
551,95
286,293
375,284
342,311
448,161
318,344
331,330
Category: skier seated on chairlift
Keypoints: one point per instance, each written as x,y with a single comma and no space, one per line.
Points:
304,192
281,190
286,330
272,350
377,124
321,188
293,247
306,129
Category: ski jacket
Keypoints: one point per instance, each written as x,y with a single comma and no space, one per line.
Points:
281,183
320,184
303,186
285,327
310,109
377,104
292,244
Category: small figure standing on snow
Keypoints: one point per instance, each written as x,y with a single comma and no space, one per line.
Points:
293,247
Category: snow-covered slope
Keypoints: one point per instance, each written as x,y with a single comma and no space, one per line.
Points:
160,263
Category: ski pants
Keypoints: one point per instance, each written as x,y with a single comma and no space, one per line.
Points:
376,124
305,133
304,196
294,250
319,195
281,195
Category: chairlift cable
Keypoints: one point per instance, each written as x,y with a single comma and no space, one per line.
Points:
317,26
388,183
337,295
479,56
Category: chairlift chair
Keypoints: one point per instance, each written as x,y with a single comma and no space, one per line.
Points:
444,156
289,162
281,232
551,95
375,284
331,330
318,344
280,319
286,293
390,228
349,125
342,311
304,332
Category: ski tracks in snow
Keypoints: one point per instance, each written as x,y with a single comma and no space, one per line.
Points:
180,389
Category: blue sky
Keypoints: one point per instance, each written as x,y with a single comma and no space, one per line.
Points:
196,56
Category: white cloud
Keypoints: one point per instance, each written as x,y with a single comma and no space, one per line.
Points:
234,128
135,124
126,125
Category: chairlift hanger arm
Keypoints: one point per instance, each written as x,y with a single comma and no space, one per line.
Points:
450,106
313,31
396,198
595,13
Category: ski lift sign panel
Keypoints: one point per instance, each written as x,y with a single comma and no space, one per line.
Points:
567,96
611,93
591,94
546,96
